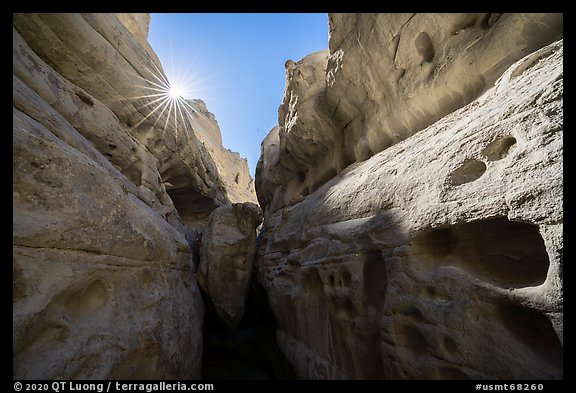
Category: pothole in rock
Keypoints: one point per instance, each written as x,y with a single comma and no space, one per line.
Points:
499,148
469,171
505,253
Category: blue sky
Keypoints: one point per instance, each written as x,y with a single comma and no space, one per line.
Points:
236,65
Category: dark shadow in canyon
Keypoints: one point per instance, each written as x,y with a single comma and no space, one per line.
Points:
249,352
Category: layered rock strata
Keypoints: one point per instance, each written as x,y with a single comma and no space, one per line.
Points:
107,193
440,257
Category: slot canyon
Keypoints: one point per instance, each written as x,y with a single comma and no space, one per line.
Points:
405,220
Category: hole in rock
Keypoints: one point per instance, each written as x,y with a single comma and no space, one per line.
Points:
410,338
499,148
466,22
88,300
345,279
469,171
331,280
506,253
450,345
301,177
250,352
424,46
489,20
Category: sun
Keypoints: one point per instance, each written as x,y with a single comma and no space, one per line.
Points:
169,99
175,91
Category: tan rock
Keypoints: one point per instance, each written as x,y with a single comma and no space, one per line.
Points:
103,185
227,258
123,83
441,256
138,24
101,274
387,77
232,169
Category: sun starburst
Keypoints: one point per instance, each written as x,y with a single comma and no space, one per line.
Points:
164,98
175,92
167,98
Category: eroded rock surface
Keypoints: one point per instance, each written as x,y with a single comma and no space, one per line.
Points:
227,258
107,193
386,77
232,168
439,257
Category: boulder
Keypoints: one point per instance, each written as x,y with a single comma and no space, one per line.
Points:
227,259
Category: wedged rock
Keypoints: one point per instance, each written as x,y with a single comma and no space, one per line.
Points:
227,258
441,256
107,193
387,76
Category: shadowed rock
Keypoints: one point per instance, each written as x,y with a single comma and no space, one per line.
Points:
439,256
227,258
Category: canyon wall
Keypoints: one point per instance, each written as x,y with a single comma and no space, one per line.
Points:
413,199
109,194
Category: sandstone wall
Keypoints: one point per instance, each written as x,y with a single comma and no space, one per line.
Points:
440,257
385,77
232,168
103,185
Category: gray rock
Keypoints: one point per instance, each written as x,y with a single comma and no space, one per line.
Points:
439,257
227,259
107,194
386,77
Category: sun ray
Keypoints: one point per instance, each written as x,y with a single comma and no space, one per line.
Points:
146,117
168,117
164,99
164,105
183,120
190,116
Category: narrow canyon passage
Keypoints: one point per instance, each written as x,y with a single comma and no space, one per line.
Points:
405,220
249,352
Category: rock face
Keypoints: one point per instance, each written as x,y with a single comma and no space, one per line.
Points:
440,257
386,77
106,194
227,258
232,168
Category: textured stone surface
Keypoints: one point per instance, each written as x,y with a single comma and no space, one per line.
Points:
232,169
441,256
137,24
387,76
74,46
227,258
103,186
